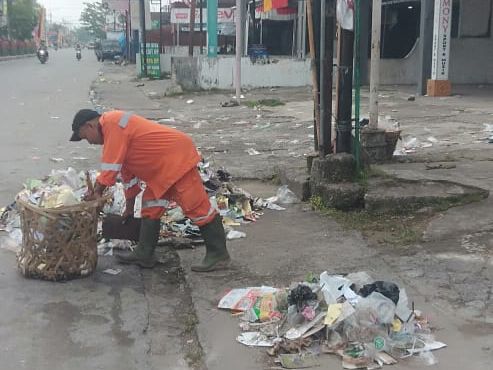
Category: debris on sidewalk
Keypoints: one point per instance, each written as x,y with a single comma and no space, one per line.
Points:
366,323
252,151
439,166
112,271
67,187
229,104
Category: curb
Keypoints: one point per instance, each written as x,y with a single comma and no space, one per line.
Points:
14,57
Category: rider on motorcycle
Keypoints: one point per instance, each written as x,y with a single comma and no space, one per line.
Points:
78,52
42,46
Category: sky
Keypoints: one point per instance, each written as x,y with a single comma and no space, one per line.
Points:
68,10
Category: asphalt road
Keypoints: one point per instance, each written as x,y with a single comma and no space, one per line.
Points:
103,321
38,103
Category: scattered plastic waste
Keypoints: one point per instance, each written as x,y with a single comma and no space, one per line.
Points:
367,323
252,151
112,271
233,234
190,101
56,160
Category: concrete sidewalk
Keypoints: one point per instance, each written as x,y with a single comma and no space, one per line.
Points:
14,57
451,282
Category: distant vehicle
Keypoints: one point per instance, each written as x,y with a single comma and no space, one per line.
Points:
91,45
107,49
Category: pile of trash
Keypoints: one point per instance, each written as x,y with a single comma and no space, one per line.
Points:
60,188
67,187
366,323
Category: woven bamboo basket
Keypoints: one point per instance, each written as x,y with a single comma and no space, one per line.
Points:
58,243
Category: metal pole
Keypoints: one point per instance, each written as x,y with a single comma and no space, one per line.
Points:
129,21
238,18
142,9
9,11
114,20
327,12
261,31
376,23
160,27
357,83
201,15
425,45
299,28
247,30
212,28
303,32
314,69
322,145
193,6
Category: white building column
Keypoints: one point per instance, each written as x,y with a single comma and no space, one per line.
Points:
439,84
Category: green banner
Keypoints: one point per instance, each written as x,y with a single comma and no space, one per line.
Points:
153,60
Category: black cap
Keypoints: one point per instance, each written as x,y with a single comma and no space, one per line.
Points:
80,120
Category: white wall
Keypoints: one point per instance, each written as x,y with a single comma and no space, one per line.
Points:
208,73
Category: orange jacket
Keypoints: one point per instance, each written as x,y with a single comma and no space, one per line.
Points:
143,150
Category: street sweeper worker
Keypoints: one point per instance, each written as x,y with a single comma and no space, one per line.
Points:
139,150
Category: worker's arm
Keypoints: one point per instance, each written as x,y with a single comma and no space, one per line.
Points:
114,153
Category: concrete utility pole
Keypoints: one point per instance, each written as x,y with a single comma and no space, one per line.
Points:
344,90
376,24
425,45
142,9
193,6
238,49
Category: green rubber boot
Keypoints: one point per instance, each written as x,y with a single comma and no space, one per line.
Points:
216,254
143,255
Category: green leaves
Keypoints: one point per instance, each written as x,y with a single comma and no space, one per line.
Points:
93,19
23,17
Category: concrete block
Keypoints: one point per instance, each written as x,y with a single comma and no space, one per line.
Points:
401,196
342,196
334,168
297,179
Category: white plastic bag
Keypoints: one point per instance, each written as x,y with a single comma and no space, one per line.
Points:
286,196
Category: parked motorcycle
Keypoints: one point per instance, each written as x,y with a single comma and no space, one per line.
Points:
42,55
78,54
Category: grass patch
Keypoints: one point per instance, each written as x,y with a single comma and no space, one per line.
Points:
264,102
396,230
190,322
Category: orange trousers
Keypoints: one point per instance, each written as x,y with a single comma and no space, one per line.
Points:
189,193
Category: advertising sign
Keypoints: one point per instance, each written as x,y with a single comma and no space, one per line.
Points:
153,60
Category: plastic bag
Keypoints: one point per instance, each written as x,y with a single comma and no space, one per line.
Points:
286,196
377,306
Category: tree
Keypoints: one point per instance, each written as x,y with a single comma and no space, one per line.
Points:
93,18
23,17
82,35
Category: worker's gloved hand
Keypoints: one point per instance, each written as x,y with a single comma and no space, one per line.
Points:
96,193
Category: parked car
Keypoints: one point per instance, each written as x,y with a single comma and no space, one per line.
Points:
107,49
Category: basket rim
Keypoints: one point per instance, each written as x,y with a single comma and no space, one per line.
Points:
76,207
